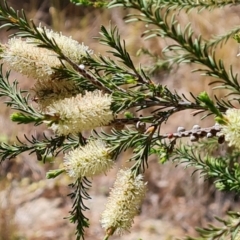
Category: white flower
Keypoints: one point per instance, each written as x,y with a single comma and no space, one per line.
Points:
124,201
28,59
89,160
83,112
231,129
69,47
51,90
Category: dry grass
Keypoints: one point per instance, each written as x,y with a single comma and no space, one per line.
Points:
176,201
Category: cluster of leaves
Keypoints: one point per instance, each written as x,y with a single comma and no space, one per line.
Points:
229,231
133,90
97,4
224,169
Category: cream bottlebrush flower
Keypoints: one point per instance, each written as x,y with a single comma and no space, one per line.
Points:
124,201
83,112
51,90
29,59
231,129
89,160
69,47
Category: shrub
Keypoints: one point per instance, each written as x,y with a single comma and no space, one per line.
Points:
77,91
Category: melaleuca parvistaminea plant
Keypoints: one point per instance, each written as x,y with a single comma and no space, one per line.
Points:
124,202
231,127
83,112
39,63
28,59
77,92
50,90
89,160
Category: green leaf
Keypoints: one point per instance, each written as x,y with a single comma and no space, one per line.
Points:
25,119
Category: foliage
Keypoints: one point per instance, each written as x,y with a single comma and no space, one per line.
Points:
229,231
139,104
90,3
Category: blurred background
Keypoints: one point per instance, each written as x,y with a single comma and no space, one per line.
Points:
33,208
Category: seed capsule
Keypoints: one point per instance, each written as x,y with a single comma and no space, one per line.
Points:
141,127
221,139
193,138
209,135
196,127
118,126
181,129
